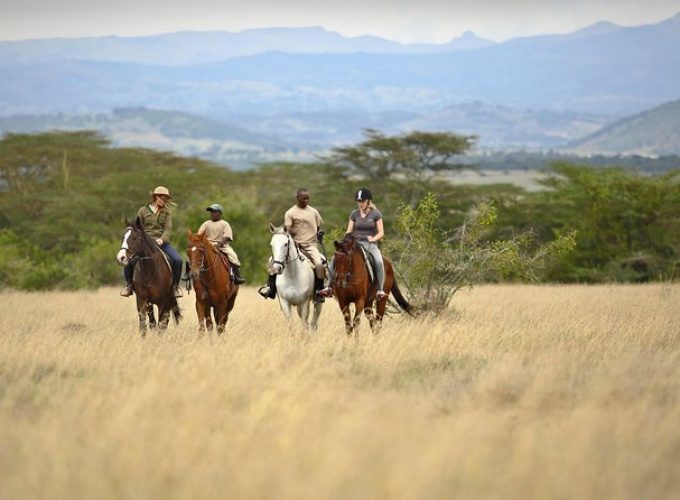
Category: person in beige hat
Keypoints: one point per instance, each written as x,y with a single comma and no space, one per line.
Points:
156,219
219,232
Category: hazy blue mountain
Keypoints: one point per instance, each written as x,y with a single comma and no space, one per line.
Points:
652,133
603,69
192,47
501,127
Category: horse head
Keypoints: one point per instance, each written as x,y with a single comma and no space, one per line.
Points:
343,260
197,247
281,245
132,242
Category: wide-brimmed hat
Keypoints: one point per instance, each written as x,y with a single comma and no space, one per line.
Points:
161,190
363,194
215,207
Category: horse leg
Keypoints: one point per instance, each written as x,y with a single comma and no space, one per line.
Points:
303,312
315,316
368,311
200,313
142,310
150,313
221,318
285,308
209,311
358,309
163,317
346,313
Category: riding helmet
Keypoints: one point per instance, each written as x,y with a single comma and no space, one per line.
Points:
363,194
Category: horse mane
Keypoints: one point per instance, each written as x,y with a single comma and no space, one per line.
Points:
146,238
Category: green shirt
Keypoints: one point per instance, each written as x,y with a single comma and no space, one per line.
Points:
157,225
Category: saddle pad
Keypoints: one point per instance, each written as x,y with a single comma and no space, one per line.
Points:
166,259
370,263
225,261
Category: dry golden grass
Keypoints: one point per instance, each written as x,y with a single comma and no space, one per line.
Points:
521,392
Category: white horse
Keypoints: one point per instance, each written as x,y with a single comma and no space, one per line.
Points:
295,277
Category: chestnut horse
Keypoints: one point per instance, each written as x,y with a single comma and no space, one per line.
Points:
215,291
151,278
352,284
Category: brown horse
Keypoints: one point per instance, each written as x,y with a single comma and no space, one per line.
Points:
211,274
151,279
352,284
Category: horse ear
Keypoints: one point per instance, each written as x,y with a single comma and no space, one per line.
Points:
201,235
138,223
338,246
126,221
190,235
272,227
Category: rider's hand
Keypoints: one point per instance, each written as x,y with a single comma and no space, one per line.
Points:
159,241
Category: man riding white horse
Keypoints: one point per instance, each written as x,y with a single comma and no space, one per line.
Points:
302,221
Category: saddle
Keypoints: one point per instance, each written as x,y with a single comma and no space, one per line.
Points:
309,259
166,259
227,265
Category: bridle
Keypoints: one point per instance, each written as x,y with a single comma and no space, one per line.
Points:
288,257
202,269
344,281
134,256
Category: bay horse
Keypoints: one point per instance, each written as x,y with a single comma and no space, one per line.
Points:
352,284
151,278
215,291
295,277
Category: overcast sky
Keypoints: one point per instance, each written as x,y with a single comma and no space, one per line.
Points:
402,20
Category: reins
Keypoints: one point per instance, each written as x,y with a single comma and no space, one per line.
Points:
288,259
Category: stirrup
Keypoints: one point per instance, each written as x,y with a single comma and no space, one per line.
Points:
266,292
177,292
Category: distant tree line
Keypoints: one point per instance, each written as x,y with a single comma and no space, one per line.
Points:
63,197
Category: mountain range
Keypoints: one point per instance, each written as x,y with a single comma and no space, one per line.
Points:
652,133
233,97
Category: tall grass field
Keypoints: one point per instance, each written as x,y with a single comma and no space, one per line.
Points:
567,392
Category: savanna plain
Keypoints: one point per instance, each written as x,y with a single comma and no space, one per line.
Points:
517,391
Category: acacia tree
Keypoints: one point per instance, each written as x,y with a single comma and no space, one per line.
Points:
413,154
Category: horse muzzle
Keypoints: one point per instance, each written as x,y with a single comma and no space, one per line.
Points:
122,258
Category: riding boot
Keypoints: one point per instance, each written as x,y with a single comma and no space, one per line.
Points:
127,290
318,286
238,279
269,291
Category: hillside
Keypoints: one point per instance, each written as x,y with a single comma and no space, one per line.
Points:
652,133
181,133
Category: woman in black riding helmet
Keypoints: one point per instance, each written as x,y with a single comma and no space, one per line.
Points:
366,226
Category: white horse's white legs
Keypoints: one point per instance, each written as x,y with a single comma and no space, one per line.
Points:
295,280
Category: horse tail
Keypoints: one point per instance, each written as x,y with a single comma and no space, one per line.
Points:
403,303
176,313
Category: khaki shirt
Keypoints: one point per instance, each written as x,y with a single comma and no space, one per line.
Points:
157,225
217,231
303,223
